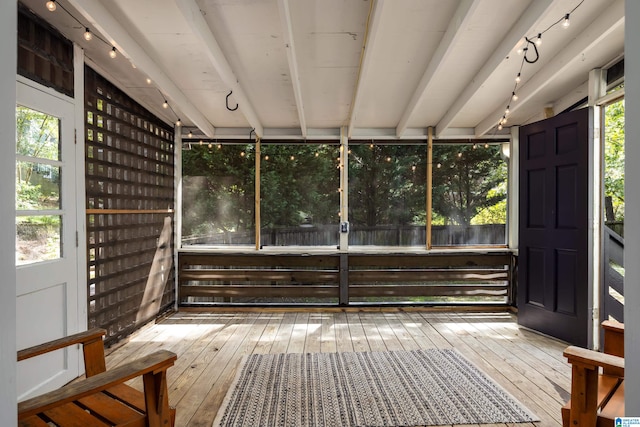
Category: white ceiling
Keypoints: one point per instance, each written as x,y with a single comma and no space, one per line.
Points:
376,68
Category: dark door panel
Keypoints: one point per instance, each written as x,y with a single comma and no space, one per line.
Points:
553,295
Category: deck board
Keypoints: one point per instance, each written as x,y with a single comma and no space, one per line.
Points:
210,345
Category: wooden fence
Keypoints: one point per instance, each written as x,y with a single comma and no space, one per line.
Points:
392,235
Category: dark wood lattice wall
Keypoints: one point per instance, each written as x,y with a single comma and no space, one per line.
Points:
44,55
130,205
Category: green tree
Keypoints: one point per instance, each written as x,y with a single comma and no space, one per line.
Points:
468,180
614,161
218,188
299,184
387,184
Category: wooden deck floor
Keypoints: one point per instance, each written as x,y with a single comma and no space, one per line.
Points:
209,346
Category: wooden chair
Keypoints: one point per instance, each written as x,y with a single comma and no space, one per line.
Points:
102,398
597,381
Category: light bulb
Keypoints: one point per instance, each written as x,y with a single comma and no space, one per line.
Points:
514,96
504,120
266,157
507,111
87,35
190,134
499,127
518,78
113,52
292,157
486,145
210,145
51,5
178,122
148,81
459,154
439,165
539,39
165,104
566,22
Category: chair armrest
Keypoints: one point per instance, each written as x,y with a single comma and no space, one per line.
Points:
593,359
613,326
84,338
151,364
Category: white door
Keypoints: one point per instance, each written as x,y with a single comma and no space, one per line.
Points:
46,252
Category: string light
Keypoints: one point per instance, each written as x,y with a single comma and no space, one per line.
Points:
87,34
532,42
148,81
51,5
113,52
165,104
178,122
190,134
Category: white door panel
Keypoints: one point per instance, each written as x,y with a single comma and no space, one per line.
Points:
46,252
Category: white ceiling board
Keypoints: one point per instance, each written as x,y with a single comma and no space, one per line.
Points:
486,28
502,81
520,27
409,34
414,76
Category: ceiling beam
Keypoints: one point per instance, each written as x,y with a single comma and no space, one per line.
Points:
99,17
373,23
193,16
287,32
536,10
611,18
456,26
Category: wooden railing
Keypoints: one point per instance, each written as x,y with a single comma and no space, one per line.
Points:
613,288
345,278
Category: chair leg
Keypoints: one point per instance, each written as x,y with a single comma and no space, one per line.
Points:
157,399
584,393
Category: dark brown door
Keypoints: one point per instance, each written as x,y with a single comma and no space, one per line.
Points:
553,290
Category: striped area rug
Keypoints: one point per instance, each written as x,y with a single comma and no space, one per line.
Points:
398,388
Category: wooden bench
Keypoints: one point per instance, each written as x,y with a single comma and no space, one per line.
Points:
597,381
102,398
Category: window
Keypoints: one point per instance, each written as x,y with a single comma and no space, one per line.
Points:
469,195
38,187
218,195
387,194
299,187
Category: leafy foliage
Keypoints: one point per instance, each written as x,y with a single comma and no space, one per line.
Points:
468,180
614,158
299,184
387,184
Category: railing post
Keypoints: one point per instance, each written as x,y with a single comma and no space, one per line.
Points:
344,279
